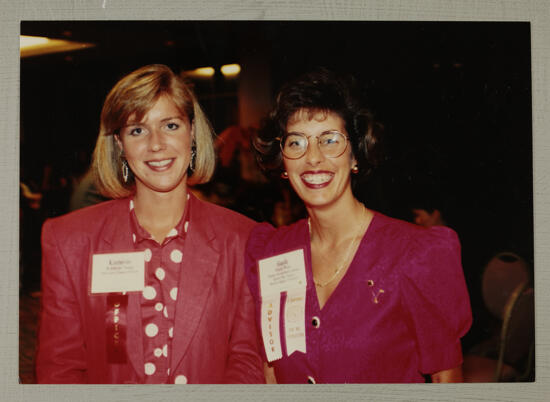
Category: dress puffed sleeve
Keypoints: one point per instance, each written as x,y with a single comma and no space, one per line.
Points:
258,247
435,296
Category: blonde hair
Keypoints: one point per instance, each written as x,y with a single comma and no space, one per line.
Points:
136,94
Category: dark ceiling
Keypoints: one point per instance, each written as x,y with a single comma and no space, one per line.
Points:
187,44
455,97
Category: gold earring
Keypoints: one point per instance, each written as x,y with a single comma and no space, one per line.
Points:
284,175
355,169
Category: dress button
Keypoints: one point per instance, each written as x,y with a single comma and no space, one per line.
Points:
310,380
315,321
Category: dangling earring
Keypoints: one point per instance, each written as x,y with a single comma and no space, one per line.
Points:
355,169
193,157
284,175
125,171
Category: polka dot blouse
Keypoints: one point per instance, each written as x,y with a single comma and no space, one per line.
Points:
159,297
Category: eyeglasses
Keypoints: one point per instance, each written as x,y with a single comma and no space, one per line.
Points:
332,144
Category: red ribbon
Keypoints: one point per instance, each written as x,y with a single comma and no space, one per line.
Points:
115,324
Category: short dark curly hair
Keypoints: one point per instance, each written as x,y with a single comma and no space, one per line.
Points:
320,91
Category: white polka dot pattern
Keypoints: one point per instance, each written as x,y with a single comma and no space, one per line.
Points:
148,254
150,368
180,379
151,330
131,204
176,256
116,319
163,266
160,274
149,292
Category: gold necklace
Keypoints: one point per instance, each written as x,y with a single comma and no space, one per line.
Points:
348,252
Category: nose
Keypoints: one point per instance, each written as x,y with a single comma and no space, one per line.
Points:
156,140
313,155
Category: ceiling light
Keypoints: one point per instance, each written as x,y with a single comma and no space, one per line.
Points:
38,45
204,71
28,41
231,69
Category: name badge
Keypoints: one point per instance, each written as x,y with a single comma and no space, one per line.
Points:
118,272
283,273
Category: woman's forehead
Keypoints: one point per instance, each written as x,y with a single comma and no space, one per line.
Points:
164,106
309,114
315,116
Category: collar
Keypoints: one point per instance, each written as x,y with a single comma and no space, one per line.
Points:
139,234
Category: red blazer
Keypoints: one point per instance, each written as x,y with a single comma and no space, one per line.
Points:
215,338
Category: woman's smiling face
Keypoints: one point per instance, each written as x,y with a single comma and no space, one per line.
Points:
158,148
317,179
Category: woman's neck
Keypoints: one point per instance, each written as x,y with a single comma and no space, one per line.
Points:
331,225
158,212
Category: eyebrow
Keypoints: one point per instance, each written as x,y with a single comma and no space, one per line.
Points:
313,135
173,118
135,123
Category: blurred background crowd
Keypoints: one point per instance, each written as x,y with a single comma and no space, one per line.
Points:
454,99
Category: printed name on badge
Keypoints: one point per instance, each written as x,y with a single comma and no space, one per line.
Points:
118,272
282,272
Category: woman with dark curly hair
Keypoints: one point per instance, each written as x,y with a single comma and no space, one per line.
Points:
348,295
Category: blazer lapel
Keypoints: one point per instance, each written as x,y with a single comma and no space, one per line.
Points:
118,238
198,270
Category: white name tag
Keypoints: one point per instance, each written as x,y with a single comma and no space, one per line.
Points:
283,273
118,272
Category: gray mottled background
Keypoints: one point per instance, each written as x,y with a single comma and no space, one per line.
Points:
12,12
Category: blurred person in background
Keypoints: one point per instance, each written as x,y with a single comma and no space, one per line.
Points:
85,192
427,206
428,217
30,222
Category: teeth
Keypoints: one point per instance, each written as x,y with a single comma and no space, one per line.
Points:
160,163
318,178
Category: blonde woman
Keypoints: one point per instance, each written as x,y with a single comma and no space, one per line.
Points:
149,287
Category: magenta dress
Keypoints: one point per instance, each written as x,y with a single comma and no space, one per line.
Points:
398,313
